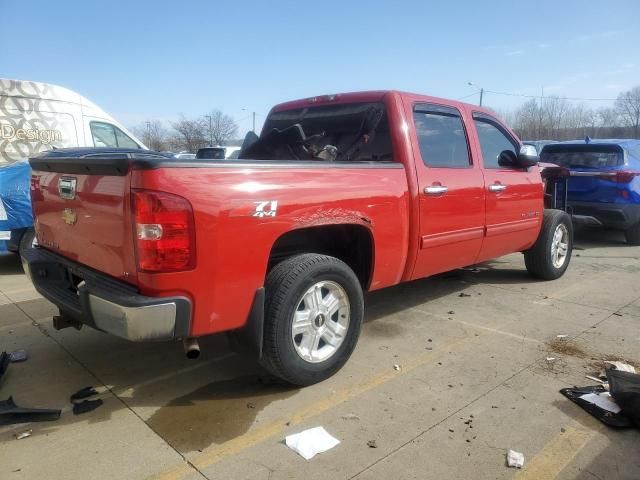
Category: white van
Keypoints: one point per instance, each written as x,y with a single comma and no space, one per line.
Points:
35,117
38,116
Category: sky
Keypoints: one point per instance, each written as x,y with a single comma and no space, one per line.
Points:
142,60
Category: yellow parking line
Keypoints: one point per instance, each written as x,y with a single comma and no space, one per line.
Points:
217,453
559,451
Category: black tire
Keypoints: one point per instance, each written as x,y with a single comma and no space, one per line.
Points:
285,286
632,234
538,258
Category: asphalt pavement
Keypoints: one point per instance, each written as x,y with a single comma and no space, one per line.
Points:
449,373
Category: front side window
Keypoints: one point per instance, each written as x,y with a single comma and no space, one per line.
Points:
442,138
492,142
107,135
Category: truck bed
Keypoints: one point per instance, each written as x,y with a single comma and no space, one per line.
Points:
240,207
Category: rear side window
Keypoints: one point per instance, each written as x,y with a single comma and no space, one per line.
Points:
107,135
441,136
583,156
492,141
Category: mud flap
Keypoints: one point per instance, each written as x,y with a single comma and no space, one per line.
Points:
248,340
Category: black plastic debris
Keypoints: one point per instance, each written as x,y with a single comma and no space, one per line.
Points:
625,390
5,360
618,420
86,406
10,413
18,356
85,392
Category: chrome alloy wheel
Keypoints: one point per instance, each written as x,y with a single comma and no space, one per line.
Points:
320,322
560,246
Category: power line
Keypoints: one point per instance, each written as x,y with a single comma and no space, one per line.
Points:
470,95
538,96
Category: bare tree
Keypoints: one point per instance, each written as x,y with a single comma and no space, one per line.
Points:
190,134
220,127
153,134
628,107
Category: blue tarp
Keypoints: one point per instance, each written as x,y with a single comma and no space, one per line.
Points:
15,209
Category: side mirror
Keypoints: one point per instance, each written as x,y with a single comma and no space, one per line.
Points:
528,156
508,159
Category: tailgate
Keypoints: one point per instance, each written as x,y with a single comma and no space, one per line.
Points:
82,212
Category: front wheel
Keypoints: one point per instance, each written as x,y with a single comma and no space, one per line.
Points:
549,257
313,314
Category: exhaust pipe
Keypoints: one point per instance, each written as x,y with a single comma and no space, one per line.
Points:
191,348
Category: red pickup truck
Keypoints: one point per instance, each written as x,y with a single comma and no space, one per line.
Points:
340,194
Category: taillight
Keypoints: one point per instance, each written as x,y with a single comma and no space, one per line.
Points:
620,176
164,231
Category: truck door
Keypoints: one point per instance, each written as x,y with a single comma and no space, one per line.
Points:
451,189
514,196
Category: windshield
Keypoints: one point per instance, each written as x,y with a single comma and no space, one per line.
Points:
211,153
583,156
344,132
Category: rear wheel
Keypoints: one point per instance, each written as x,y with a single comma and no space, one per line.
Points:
633,234
313,313
549,257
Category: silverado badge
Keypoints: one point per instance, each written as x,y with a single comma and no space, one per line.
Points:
69,216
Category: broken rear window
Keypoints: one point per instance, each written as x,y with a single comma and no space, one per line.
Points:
345,132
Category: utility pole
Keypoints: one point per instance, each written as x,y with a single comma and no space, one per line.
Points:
253,114
210,129
471,84
148,142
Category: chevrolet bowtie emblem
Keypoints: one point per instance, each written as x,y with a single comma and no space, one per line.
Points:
69,216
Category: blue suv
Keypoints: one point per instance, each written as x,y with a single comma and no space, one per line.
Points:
604,186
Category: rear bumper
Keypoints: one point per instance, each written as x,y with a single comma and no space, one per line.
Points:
99,301
612,215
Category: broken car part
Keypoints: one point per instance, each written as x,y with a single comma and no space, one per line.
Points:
581,397
83,393
625,390
18,356
5,360
86,406
10,413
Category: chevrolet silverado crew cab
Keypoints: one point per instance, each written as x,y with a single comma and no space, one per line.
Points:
339,194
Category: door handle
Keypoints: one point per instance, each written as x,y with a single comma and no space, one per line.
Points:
436,190
497,187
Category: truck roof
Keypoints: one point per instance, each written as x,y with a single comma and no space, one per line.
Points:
371,96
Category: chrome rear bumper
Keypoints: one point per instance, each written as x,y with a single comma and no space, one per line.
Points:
91,298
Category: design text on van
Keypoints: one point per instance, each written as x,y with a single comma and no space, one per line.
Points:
45,136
